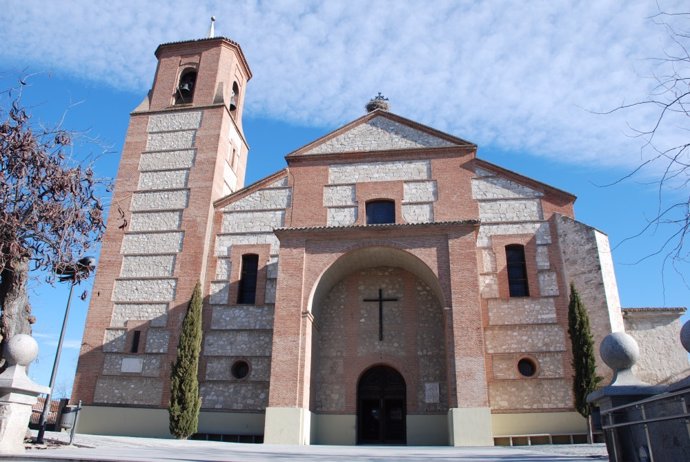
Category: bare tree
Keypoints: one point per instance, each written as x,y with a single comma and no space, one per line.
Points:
50,213
666,143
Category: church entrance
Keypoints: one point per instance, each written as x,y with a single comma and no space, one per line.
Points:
381,407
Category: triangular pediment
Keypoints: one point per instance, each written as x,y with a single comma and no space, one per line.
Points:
380,131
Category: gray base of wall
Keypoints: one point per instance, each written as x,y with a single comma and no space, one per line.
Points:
153,423
325,428
538,423
422,430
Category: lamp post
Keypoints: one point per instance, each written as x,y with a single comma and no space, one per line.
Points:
72,273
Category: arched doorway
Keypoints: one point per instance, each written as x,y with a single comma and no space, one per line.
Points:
381,407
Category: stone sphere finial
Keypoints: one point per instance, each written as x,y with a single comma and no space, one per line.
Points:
685,336
378,102
619,351
21,350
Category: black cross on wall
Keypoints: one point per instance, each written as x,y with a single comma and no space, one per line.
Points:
381,299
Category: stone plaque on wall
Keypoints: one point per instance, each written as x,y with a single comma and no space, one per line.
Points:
431,394
135,365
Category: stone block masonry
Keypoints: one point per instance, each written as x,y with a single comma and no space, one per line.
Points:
379,171
189,120
341,216
148,266
149,365
145,391
587,263
242,317
144,290
172,159
263,199
155,221
418,213
234,396
237,343
160,200
243,332
521,311
158,243
147,282
339,195
489,186
156,313
380,134
167,179
419,193
220,368
515,339
170,140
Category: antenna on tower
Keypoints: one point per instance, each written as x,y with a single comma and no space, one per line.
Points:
212,30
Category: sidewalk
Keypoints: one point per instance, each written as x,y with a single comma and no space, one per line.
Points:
115,448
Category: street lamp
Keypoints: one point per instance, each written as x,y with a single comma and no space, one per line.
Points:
73,273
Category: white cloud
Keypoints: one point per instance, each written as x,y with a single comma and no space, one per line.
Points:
51,340
509,74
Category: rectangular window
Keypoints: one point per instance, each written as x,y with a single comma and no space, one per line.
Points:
517,271
136,336
380,212
247,288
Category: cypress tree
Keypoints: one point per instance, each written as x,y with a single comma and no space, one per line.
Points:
584,361
185,401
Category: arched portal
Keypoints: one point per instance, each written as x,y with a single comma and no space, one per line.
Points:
381,407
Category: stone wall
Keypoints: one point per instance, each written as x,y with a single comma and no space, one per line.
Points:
587,263
146,286
657,331
362,172
243,332
379,134
346,341
520,328
419,190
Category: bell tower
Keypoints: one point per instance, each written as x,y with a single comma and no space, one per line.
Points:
184,149
207,76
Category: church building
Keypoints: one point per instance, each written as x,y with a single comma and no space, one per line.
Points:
387,286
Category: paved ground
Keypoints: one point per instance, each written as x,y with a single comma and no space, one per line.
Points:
111,448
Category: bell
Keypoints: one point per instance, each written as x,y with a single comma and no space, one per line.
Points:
233,102
185,87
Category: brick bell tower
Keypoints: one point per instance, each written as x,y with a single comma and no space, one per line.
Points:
184,149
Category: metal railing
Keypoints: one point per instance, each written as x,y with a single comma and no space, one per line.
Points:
621,424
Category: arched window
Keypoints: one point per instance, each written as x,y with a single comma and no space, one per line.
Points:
380,212
184,93
234,98
247,288
517,271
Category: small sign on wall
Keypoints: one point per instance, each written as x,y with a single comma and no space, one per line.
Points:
431,393
132,365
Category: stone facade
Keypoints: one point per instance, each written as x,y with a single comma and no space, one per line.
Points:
379,134
416,319
657,330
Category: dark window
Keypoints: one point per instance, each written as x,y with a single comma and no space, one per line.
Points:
240,369
526,367
235,96
517,271
184,94
247,289
136,336
380,212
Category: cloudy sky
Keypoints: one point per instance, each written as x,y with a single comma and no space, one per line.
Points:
518,75
527,81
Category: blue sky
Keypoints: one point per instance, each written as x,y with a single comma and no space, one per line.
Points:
526,81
